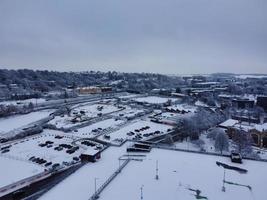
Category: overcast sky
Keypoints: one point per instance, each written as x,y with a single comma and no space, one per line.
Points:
163,36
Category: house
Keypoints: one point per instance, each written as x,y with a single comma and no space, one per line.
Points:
243,103
258,131
90,155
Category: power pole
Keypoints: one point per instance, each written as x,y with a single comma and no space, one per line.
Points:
223,187
95,195
142,192
157,170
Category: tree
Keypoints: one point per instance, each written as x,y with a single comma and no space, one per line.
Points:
30,106
178,90
221,141
243,141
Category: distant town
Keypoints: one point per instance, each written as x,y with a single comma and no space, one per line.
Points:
112,135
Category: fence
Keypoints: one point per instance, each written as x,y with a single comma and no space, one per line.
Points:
111,178
202,152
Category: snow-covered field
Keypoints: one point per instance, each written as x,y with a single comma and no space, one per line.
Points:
154,99
80,185
14,170
83,113
18,121
144,128
179,172
29,147
94,129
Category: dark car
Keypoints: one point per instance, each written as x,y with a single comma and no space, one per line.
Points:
47,164
236,157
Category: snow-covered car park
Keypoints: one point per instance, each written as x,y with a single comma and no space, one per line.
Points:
97,128
128,113
137,130
83,113
50,149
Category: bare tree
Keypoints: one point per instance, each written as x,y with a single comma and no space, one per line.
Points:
243,141
221,141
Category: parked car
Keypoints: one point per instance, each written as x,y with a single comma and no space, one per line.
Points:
236,157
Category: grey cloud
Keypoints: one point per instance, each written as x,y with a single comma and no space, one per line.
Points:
172,36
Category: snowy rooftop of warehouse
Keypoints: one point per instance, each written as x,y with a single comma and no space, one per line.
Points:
26,148
154,99
13,170
181,171
135,127
104,125
18,121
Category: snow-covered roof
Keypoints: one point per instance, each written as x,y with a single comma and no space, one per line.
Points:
244,125
90,151
229,123
261,127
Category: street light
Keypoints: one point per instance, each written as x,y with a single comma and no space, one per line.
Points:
157,170
95,195
142,192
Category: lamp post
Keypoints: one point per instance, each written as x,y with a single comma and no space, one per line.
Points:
223,187
142,197
95,195
157,170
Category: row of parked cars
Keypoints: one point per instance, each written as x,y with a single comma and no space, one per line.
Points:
40,161
5,149
48,144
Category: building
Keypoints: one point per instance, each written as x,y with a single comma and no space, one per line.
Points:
258,131
90,155
93,90
243,103
262,102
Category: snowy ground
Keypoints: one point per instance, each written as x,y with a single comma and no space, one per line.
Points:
89,111
203,144
181,171
135,128
154,99
18,121
80,185
14,170
29,147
